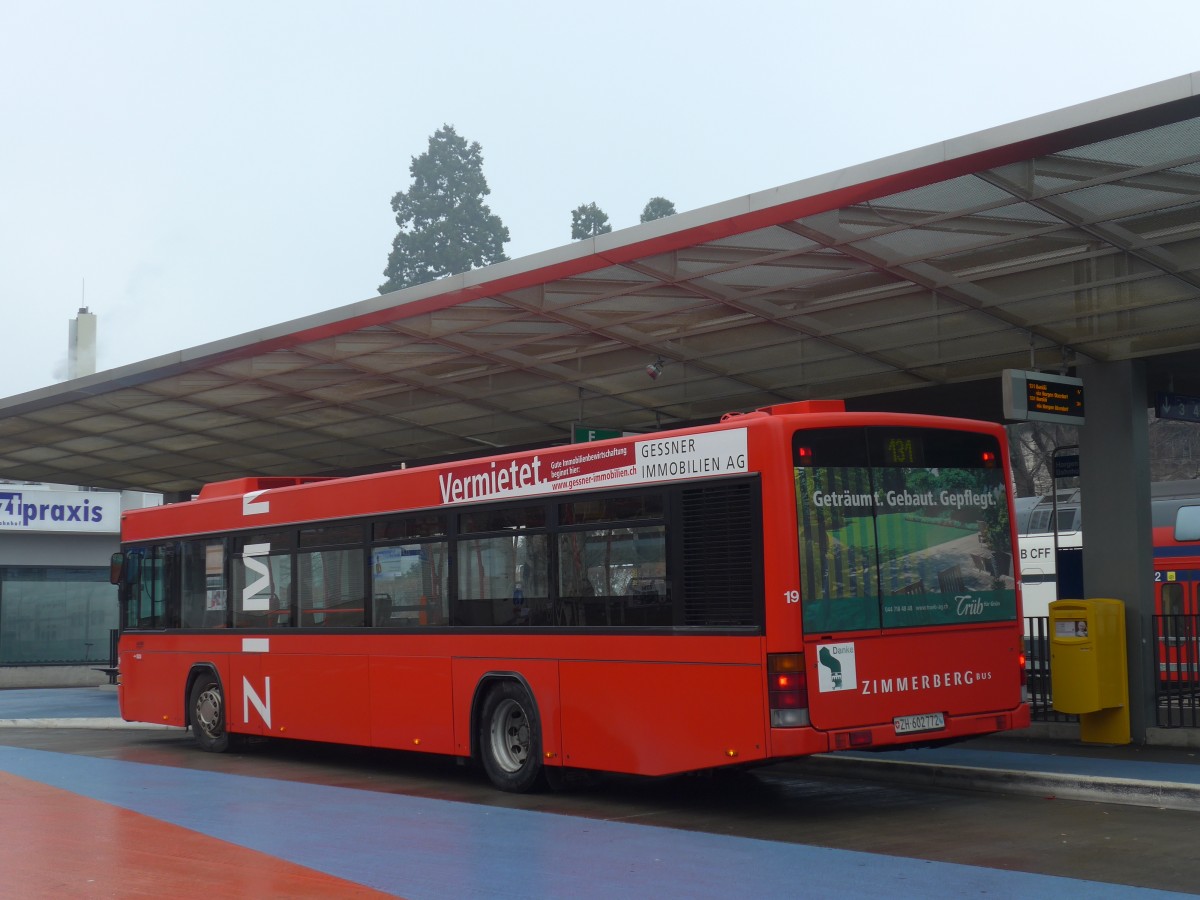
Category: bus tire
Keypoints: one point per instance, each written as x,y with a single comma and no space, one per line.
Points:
206,714
510,738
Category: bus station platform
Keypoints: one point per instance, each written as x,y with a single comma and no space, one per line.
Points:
86,825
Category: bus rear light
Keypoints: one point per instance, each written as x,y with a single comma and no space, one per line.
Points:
989,459
785,662
784,682
786,700
787,690
789,718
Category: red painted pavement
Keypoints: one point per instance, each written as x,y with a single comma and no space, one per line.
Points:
57,844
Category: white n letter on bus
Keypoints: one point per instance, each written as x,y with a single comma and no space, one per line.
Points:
249,697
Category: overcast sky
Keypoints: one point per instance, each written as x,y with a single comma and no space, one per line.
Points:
195,171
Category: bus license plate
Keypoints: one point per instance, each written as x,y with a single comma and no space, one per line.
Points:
923,722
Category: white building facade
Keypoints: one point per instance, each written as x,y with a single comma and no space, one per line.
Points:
57,607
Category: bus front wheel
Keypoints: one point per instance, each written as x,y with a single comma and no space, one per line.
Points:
206,712
510,738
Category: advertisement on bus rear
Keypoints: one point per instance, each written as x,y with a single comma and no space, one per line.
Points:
902,547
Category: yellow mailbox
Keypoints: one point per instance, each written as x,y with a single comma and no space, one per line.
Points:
1088,671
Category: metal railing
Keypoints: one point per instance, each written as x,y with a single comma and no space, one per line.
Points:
1037,672
1176,675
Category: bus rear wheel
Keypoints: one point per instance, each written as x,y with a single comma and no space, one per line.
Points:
206,713
510,738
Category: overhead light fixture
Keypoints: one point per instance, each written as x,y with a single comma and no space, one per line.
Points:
655,368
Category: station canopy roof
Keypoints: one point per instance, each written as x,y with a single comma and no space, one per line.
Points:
909,282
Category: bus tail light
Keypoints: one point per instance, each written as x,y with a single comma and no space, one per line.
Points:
1023,663
787,690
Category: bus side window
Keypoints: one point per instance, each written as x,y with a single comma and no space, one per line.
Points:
502,580
169,553
148,590
503,573
135,562
154,600
204,590
613,576
409,584
261,590
330,589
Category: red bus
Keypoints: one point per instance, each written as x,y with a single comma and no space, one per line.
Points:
786,582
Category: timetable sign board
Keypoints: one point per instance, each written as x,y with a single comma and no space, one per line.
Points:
1039,397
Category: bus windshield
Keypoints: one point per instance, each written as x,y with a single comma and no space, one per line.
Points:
901,527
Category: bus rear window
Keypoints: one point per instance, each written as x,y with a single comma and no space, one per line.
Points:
901,527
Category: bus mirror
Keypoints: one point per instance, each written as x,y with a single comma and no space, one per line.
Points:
115,565
124,569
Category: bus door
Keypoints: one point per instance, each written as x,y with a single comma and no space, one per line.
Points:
906,575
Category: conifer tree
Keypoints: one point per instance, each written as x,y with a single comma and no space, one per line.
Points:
445,227
588,220
657,208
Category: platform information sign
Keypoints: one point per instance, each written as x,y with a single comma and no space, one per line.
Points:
1039,397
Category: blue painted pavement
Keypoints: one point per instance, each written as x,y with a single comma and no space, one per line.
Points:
422,848
58,703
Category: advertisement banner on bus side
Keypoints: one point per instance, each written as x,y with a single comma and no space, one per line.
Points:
581,468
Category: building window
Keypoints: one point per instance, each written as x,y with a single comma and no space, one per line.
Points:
56,614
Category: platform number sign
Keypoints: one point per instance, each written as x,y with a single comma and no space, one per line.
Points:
1179,407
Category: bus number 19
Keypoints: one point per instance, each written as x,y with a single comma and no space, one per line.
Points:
791,596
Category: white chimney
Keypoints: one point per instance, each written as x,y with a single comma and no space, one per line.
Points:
81,349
